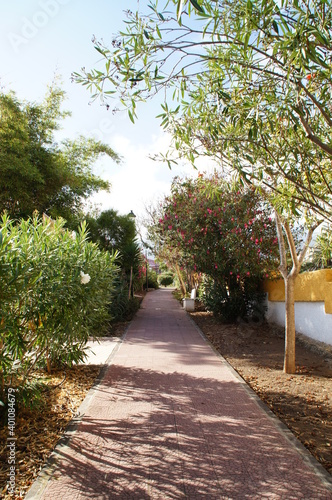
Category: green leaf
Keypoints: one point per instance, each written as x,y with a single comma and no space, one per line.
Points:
179,9
246,41
195,4
131,116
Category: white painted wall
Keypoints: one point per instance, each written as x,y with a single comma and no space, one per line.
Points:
310,319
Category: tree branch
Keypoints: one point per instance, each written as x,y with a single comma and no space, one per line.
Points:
308,240
282,248
311,136
317,103
291,245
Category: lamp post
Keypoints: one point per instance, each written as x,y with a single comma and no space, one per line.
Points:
130,292
147,266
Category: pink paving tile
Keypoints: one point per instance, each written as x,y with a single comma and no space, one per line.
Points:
171,420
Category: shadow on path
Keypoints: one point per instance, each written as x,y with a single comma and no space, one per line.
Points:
170,420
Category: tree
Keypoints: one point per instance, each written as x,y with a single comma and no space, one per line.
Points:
111,230
252,81
279,160
36,172
250,42
251,61
114,232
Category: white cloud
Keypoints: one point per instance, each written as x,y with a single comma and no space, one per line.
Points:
138,180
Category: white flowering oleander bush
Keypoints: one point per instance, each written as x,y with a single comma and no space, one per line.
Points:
55,292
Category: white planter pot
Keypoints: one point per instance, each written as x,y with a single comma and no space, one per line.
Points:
189,304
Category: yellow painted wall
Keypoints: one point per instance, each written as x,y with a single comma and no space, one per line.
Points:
315,286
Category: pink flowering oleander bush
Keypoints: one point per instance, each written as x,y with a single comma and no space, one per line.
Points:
225,233
55,289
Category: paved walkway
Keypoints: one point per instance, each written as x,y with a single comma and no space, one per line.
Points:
171,420
100,350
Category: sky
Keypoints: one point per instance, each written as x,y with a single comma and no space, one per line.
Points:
41,38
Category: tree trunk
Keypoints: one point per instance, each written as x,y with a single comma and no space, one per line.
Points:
289,280
183,286
289,358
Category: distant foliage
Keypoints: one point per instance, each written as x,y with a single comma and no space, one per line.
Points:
152,279
322,252
115,232
166,278
122,307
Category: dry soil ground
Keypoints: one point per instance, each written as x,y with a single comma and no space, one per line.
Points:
302,401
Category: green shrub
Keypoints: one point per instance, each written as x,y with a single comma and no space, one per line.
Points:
152,279
177,294
232,300
166,278
322,252
122,308
55,289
